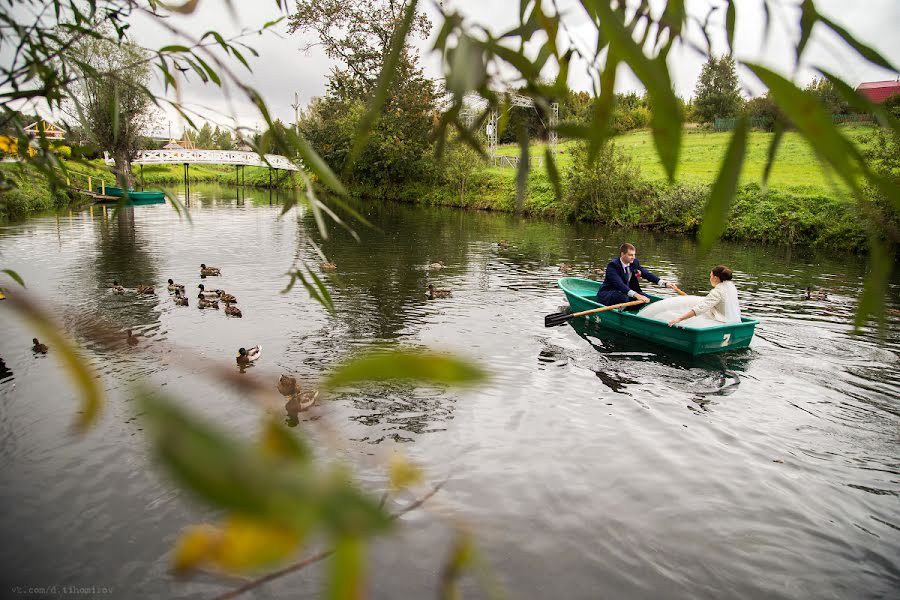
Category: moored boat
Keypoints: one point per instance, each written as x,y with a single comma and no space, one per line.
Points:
109,194
582,293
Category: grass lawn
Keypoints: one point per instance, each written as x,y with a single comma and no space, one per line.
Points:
796,168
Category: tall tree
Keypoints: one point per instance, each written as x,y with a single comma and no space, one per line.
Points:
111,100
359,35
716,95
205,137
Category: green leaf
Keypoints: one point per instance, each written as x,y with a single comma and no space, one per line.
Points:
52,333
249,480
867,52
552,173
382,87
665,119
173,48
347,568
15,276
730,18
405,365
314,162
522,174
808,17
773,151
875,287
715,215
209,71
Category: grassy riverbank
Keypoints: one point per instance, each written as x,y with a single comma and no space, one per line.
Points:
803,205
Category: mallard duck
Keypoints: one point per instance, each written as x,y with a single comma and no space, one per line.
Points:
209,271
503,244
116,288
287,385
564,268
144,289
131,339
300,401
206,303
39,347
811,295
232,311
181,300
436,266
328,266
210,294
433,293
246,356
227,298
174,287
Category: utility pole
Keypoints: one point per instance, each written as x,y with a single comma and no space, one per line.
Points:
296,106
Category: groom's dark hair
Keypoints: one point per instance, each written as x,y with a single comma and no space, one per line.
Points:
625,248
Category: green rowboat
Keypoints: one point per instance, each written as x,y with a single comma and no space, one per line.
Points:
582,293
112,193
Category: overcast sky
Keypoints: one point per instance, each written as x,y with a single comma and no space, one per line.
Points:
283,69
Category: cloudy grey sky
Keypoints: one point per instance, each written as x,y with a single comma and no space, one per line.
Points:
283,69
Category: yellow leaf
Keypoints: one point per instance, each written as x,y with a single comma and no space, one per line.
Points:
402,472
246,544
195,547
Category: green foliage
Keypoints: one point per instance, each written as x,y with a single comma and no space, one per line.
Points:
716,94
824,91
606,190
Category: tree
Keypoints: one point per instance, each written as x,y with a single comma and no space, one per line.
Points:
824,91
205,137
460,163
716,95
224,141
110,98
359,35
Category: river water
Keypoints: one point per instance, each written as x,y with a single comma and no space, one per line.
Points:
590,466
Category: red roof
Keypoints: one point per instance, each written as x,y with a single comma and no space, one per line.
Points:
879,91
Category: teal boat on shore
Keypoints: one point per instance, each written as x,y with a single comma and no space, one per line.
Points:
112,193
582,293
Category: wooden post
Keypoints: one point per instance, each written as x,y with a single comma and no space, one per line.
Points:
102,188
90,187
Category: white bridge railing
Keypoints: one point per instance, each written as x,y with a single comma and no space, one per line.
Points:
210,157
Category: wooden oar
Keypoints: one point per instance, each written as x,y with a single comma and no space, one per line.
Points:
559,318
680,293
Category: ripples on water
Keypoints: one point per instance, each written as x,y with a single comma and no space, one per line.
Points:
592,465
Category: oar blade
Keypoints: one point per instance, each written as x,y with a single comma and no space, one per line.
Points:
555,319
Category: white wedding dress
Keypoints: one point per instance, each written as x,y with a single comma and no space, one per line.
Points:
719,307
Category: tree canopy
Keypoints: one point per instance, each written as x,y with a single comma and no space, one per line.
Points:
717,94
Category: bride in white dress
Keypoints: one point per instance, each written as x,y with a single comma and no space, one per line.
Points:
718,307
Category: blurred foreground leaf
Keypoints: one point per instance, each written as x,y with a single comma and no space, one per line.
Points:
239,546
715,215
406,365
281,488
52,334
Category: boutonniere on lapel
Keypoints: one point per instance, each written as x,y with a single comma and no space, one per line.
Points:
637,273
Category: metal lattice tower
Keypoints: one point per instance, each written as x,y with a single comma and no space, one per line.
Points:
473,104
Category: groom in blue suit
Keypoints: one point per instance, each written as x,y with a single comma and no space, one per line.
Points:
620,284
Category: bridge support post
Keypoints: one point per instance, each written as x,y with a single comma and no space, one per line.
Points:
142,177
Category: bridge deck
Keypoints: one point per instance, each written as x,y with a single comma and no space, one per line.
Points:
211,157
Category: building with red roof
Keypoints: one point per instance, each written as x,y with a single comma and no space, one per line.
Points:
879,91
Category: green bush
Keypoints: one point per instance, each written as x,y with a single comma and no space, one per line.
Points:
607,189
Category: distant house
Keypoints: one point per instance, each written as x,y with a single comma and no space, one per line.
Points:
50,129
879,91
173,145
244,147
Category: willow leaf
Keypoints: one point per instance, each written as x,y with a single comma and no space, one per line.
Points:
715,215
875,288
406,365
773,151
